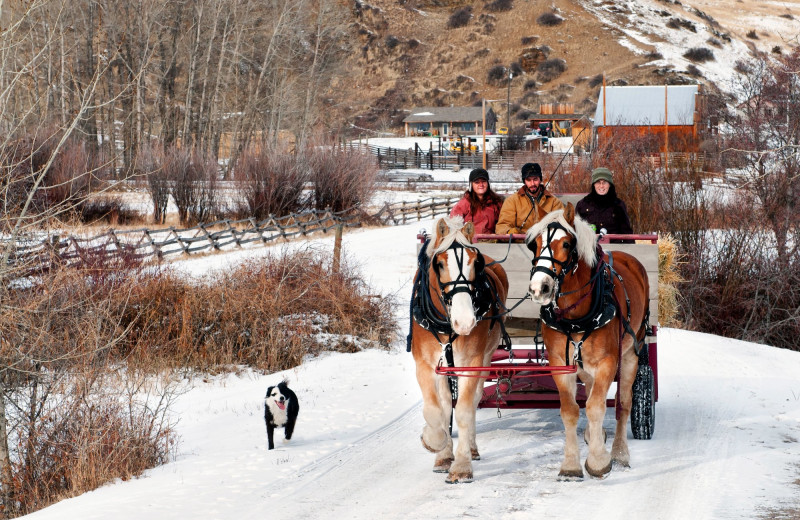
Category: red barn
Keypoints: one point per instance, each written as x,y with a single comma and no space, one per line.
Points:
673,112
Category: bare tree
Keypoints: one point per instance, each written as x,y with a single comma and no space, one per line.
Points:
326,48
763,136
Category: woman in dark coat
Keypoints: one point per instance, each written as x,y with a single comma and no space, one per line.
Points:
602,208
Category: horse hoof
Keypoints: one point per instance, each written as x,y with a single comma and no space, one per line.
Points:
442,466
598,474
570,474
425,445
476,455
459,478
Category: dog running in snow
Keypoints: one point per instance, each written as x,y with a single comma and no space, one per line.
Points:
280,411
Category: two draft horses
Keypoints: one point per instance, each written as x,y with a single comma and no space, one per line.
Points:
594,310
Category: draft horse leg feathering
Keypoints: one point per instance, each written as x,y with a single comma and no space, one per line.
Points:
595,311
456,304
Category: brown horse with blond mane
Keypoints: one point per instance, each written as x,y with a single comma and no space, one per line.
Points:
594,308
457,298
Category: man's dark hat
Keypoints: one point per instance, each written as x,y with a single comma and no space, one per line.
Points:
531,170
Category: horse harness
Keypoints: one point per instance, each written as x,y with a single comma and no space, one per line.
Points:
482,291
604,305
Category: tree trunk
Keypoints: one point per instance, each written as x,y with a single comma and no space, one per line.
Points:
6,475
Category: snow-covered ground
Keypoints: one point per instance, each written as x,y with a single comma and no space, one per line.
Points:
726,442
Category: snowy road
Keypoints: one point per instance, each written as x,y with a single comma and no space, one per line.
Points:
726,442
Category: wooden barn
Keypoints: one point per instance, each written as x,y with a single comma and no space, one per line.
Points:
669,116
446,121
560,120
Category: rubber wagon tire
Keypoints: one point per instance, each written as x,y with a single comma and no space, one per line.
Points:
643,407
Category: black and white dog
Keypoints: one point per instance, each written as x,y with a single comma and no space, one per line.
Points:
280,410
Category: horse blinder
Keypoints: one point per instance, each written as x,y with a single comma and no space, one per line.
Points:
461,284
570,263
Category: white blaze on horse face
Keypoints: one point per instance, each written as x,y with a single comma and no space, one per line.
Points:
543,286
462,314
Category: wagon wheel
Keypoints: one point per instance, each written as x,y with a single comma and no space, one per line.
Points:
643,407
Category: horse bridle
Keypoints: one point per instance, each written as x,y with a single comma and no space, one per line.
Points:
461,284
569,264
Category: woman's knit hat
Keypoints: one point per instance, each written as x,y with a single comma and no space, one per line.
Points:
478,173
601,174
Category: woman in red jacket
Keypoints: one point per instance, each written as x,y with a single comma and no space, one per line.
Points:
479,205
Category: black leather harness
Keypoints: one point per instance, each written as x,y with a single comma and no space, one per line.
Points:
604,305
423,309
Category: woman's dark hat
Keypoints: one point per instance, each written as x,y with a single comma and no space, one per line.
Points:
478,173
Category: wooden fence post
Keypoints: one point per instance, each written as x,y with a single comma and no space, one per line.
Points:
337,247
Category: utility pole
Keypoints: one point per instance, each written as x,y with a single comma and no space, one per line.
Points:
508,103
484,132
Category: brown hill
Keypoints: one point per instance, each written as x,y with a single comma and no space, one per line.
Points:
454,52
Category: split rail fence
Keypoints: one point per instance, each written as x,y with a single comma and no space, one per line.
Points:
35,254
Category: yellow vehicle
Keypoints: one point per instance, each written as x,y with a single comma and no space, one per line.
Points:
503,130
465,143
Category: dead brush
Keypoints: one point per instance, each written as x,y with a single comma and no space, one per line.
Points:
267,314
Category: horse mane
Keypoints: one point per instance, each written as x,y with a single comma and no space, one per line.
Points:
586,239
454,224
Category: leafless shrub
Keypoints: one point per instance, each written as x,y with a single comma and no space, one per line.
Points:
694,71
460,18
699,54
193,181
75,429
680,23
391,42
109,209
715,42
551,69
68,179
148,166
270,182
43,178
752,35
777,50
343,177
549,19
83,443
529,40
500,5
596,80
497,75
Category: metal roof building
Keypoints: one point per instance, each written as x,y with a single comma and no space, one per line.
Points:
647,105
448,120
672,114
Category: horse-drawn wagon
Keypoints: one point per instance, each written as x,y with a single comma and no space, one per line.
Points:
522,372
522,377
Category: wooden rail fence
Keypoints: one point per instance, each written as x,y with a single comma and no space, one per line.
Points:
38,253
